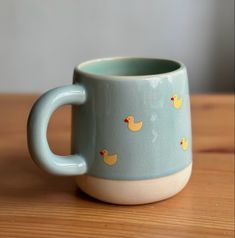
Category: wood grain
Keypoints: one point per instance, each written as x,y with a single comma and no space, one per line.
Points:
36,204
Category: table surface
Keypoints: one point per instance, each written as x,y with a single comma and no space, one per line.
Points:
36,204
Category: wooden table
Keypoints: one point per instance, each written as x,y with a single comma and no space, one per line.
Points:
36,204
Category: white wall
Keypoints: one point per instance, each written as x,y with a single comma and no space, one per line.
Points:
42,40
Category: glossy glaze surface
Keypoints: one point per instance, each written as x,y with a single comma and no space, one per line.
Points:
37,131
130,124
152,151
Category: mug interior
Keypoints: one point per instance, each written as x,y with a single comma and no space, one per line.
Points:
129,66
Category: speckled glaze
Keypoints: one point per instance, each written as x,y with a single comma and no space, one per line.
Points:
104,93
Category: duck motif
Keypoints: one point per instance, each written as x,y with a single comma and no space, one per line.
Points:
184,144
132,125
177,102
109,159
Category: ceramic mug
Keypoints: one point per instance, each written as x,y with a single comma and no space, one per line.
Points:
131,129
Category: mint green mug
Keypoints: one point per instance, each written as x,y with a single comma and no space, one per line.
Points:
131,129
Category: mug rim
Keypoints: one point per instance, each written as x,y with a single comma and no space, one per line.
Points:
82,72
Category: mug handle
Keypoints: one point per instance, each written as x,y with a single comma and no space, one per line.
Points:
37,131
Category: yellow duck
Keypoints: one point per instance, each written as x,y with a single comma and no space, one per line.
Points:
177,103
132,125
184,144
109,159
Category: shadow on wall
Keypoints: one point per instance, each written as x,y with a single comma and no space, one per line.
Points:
223,54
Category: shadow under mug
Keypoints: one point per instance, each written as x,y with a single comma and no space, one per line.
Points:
131,129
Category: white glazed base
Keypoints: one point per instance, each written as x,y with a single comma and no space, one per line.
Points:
132,192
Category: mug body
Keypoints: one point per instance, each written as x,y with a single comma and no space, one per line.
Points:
134,129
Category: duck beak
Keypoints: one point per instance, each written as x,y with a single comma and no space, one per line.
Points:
172,99
101,153
125,120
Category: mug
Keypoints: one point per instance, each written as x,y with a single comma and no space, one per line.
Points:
131,129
